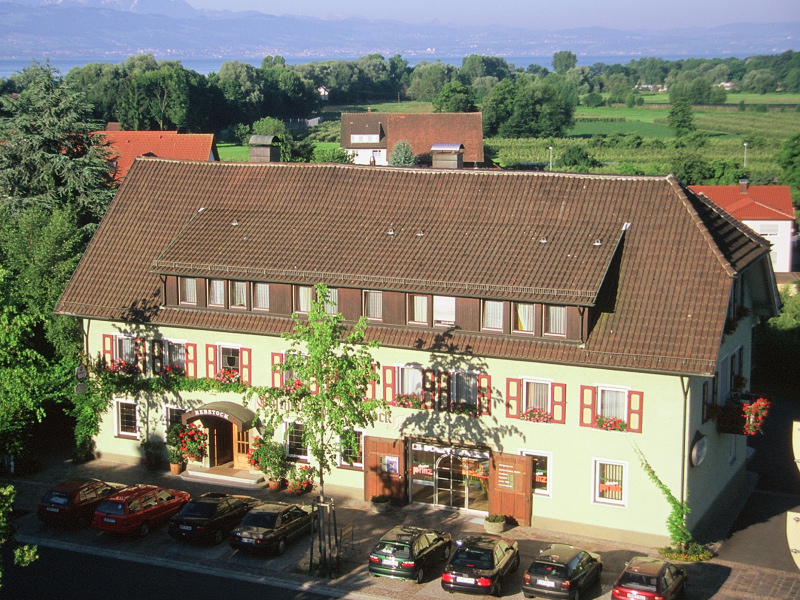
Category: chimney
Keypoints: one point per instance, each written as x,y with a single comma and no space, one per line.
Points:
743,186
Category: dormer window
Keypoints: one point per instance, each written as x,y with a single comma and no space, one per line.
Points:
523,318
555,320
216,292
238,294
444,311
302,298
492,315
188,290
365,138
261,296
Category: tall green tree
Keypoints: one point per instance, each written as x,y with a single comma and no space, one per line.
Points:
454,97
401,155
329,368
538,110
563,61
680,118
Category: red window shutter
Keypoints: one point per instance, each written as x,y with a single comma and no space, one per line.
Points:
157,356
443,389
191,360
588,405
108,349
484,394
211,361
429,388
558,402
140,354
277,375
389,386
246,364
513,397
371,387
635,411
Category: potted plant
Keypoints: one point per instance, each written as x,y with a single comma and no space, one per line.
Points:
176,461
494,523
381,503
270,457
193,441
301,480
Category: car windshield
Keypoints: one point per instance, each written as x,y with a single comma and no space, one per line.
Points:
111,508
202,510
473,558
638,581
393,549
263,520
545,569
56,498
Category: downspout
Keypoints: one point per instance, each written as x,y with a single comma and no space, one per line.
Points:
685,389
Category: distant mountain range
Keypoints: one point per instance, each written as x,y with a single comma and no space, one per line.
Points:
112,30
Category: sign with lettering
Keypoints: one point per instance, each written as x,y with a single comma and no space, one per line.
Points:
506,474
212,413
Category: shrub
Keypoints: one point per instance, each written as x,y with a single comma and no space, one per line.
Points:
495,518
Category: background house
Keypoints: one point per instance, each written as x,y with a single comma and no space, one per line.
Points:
766,209
517,340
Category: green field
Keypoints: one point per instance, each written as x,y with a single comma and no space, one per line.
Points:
233,153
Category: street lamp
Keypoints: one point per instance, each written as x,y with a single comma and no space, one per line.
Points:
745,154
551,158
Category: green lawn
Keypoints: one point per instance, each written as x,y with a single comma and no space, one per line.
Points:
233,153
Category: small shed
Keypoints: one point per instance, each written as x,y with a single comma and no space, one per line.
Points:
264,148
447,156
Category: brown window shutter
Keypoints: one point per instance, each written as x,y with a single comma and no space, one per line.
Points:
558,402
588,405
635,411
513,397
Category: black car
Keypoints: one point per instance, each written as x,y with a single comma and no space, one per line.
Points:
480,564
409,552
73,502
209,517
650,578
272,525
562,571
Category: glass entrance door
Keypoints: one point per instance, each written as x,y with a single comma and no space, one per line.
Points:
455,477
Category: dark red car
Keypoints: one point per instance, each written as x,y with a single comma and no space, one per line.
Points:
138,508
650,579
73,502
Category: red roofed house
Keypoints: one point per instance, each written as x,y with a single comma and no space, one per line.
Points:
125,146
370,137
766,209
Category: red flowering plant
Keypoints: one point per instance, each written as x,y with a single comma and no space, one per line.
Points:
121,367
173,371
269,456
194,441
609,423
301,480
227,376
754,414
537,415
407,401
462,408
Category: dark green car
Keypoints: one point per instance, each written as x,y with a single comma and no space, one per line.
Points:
409,553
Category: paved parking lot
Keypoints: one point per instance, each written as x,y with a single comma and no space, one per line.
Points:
719,579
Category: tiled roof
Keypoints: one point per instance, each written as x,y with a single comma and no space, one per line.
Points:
757,203
125,146
480,236
420,130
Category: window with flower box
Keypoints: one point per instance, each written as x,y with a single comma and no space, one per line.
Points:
610,482
610,408
493,315
524,318
261,296
126,418
188,290
536,400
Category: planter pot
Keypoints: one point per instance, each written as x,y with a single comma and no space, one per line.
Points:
381,507
274,485
175,468
494,526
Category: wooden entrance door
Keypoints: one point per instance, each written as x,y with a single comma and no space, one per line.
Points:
222,442
385,469
240,448
511,490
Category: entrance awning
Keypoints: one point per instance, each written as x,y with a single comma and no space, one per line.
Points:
242,417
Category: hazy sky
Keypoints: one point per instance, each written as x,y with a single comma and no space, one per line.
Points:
535,14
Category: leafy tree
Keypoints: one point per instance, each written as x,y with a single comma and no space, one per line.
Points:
49,157
563,61
402,155
691,168
539,110
476,66
575,156
760,81
498,106
593,100
23,555
454,97
269,126
680,118
242,89
428,79
789,160
329,372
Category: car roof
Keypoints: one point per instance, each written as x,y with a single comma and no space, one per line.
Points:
133,491
481,541
558,554
74,484
403,533
646,565
273,507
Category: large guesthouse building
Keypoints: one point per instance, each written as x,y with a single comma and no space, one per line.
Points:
537,330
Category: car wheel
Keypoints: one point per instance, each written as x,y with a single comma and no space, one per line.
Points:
498,588
420,575
281,546
218,537
577,595
144,529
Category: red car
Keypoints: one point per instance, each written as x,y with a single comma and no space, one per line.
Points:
138,508
73,502
650,579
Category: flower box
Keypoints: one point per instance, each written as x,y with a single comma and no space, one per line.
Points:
740,417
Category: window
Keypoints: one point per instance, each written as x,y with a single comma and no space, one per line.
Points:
294,441
613,404
332,305
523,317
555,320
409,380
492,315
610,483
418,309
541,471
125,350
216,292
464,387
536,394
350,457
261,296
373,305
364,138
174,354
444,310
239,294
188,290
126,419
302,298
173,416
229,358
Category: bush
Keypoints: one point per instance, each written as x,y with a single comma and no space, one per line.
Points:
495,518
576,156
693,553
593,100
